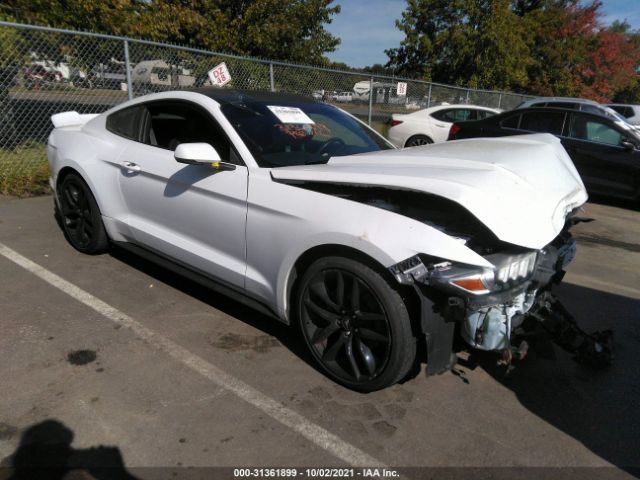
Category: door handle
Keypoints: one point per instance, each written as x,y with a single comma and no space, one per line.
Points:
131,167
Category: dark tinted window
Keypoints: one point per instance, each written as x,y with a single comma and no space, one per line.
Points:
170,124
125,122
510,122
592,130
452,115
482,114
622,110
543,122
592,109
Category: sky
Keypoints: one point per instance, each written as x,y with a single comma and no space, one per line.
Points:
367,27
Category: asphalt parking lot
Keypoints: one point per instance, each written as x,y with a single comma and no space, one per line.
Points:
177,376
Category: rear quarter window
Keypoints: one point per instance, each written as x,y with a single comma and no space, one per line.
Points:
125,123
543,122
511,122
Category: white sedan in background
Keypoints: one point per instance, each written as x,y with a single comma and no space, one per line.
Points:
432,125
302,211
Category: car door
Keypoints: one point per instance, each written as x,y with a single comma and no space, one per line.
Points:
596,147
190,213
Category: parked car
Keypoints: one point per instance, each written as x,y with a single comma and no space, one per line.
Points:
342,97
110,75
582,104
630,112
304,212
37,76
604,151
150,75
431,125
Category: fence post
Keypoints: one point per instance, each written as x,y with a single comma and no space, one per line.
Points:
468,90
429,96
271,82
127,69
499,100
370,99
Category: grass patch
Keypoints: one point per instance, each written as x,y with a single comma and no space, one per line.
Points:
24,171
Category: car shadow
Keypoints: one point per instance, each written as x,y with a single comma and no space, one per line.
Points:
615,202
45,452
287,335
598,408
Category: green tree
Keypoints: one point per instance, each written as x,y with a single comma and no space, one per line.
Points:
478,42
291,30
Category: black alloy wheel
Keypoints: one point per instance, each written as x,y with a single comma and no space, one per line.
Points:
80,216
418,140
355,325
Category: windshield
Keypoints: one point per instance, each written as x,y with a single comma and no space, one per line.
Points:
283,133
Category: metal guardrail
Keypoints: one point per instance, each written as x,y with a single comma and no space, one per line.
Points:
46,70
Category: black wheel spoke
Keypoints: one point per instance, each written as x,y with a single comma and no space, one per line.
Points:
339,288
370,317
366,355
372,335
326,315
71,201
351,358
355,294
319,289
330,353
322,334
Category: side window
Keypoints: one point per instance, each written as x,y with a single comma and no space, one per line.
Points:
482,114
511,122
170,124
592,130
592,109
452,115
125,122
543,122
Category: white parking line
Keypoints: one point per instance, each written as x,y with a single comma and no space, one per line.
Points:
289,418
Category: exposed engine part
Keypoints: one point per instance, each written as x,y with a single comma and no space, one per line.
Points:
490,328
593,349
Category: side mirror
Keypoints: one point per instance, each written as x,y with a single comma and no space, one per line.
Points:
628,146
201,154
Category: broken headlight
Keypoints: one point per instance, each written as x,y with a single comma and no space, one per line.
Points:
509,271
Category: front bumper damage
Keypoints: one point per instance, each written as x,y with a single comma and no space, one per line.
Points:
495,310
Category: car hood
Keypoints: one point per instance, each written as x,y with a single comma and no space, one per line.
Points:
520,187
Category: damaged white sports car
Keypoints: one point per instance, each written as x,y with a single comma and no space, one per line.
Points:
303,211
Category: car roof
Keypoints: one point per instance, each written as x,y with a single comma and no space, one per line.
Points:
520,111
224,96
561,99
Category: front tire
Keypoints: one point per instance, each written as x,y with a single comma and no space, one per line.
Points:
80,216
355,325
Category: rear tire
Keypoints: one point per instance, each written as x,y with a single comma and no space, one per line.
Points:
80,216
418,140
355,325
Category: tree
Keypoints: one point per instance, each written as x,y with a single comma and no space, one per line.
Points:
291,30
545,47
478,42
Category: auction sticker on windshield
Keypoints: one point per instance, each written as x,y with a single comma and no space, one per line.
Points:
290,114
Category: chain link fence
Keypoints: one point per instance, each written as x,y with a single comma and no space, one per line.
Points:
45,71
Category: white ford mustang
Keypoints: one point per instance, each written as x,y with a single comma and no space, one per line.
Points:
306,213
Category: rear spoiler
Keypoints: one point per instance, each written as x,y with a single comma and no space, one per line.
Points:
71,119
